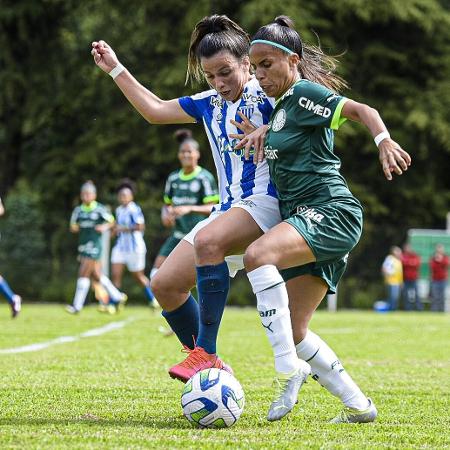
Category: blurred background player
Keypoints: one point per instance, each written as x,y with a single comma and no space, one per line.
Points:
393,276
188,196
90,220
130,249
14,300
411,266
439,263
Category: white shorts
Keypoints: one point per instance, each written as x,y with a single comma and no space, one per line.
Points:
135,262
264,210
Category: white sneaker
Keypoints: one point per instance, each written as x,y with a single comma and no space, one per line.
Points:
351,415
286,391
71,309
16,305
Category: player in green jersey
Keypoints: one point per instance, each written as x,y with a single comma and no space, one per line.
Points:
294,265
14,300
90,220
188,196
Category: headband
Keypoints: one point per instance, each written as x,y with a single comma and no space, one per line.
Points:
273,44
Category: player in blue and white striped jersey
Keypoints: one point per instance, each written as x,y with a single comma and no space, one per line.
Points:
249,207
130,249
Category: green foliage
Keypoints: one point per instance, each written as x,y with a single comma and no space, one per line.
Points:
23,258
62,120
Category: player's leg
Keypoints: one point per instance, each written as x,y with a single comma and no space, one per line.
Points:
305,294
83,283
115,296
171,285
280,247
14,300
212,243
117,274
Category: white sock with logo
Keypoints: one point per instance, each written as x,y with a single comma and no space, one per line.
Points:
273,307
81,292
327,370
113,292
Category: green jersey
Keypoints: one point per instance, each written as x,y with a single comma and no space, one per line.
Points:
87,217
299,147
196,188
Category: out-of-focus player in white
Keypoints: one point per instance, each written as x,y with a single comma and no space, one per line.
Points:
130,250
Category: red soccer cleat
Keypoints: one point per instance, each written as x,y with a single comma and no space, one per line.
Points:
197,360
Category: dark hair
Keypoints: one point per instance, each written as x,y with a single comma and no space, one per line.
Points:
212,35
314,64
183,135
128,184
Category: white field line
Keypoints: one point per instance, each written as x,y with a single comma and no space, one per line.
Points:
65,339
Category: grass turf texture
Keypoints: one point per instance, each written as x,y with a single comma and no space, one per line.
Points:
113,391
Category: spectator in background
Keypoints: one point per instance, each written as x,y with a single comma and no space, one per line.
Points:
14,300
393,276
439,263
411,265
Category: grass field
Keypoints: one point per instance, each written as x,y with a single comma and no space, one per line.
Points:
112,390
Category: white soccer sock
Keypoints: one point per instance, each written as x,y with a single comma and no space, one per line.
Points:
329,372
273,307
81,292
113,292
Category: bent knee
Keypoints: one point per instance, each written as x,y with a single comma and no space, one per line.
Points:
253,257
206,243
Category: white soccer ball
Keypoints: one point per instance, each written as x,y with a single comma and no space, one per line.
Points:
213,398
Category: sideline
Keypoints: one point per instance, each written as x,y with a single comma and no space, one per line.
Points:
65,339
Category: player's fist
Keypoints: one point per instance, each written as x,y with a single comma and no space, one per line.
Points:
104,56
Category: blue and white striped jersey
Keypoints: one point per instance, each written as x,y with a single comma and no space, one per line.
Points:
238,178
126,216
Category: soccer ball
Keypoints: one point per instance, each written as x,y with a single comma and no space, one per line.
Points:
212,398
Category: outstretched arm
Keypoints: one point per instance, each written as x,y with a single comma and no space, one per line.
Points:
392,157
150,106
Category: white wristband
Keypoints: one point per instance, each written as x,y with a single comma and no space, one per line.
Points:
379,137
116,71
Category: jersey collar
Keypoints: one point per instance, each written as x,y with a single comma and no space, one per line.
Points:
90,207
189,176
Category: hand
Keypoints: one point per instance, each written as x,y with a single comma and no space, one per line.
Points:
180,211
167,216
254,140
393,158
102,227
104,56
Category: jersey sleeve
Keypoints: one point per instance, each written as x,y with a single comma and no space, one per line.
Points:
318,106
210,191
74,216
138,216
168,192
106,215
196,105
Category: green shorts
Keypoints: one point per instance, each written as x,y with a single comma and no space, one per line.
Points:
331,231
170,243
90,249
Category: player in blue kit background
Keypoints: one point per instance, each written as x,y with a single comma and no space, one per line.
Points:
14,300
322,220
130,250
249,206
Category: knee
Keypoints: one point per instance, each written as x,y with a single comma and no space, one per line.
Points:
253,257
207,244
159,286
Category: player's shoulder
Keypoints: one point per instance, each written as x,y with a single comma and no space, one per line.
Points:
208,98
205,173
314,91
173,176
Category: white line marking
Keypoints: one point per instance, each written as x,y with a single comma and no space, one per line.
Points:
65,339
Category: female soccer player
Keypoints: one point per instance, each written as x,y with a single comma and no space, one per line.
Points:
130,249
249,207
89,220
322,220
188,195
14,300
